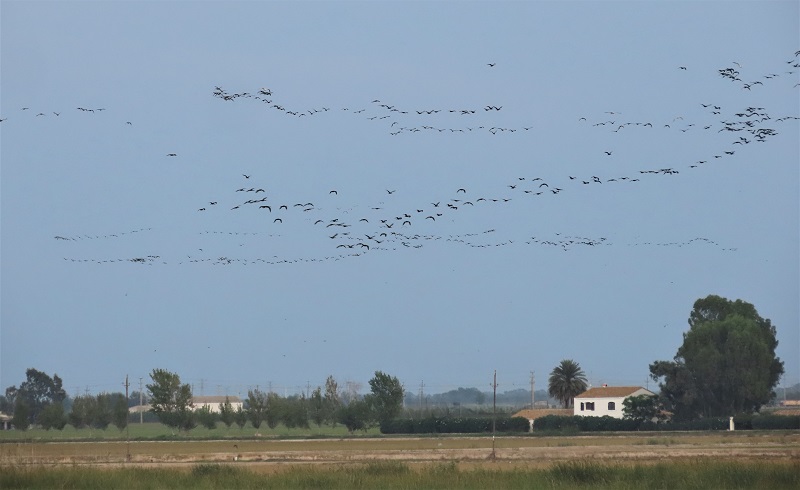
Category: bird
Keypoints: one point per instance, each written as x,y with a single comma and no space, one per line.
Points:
333,192
461,190
172,154
277,220
246,176
491,65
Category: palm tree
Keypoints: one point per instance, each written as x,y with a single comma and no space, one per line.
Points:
566,381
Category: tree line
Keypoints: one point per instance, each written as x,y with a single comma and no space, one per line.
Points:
171,401
726,366
41,400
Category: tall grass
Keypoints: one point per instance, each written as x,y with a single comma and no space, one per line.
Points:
396,475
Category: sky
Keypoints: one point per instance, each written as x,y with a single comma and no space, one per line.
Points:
263,194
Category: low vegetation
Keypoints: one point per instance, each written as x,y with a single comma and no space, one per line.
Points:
389,475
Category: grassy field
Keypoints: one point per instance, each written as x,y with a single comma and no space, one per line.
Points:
395,475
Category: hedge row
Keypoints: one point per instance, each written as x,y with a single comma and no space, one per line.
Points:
454,425
593,424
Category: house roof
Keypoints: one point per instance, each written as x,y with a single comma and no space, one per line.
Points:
542,412
215,399
612,392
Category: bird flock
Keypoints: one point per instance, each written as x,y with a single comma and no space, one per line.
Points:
345,229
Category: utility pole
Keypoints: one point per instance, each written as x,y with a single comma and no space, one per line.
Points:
494,413
127,426
141,408
421,394
533,385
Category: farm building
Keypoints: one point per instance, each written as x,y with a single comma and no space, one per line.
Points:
606,400
532,415
213,402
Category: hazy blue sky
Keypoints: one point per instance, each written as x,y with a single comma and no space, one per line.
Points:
623,160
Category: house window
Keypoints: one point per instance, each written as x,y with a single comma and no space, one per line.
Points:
590,406
612,406
581,406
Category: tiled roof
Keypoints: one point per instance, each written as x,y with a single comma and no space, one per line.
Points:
611,391
543,412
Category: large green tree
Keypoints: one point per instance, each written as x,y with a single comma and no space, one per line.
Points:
82,412
316,407
331,400
355,415
53,417
170,400
726,364
385,397
256,405
226,413
21,419
119,410
294,412
641,408
37,391
566,381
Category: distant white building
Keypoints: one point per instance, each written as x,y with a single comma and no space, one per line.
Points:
606,400
213,402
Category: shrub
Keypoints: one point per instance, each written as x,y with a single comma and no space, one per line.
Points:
453,425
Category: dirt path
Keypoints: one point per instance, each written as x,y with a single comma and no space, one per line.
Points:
271,455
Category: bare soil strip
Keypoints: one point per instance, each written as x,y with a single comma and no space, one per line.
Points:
271,455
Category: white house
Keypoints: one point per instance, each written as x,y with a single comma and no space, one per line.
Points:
606,400
213,402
